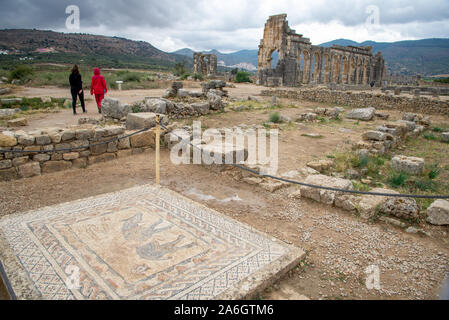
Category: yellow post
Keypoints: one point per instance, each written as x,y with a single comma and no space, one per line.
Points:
158,140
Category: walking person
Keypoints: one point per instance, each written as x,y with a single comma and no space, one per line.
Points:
98,87
76,88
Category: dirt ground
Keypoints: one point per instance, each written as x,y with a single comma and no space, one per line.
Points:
339,245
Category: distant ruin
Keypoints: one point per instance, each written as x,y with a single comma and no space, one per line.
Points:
300,62
205,64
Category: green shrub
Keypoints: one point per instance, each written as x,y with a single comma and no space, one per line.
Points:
434,171
437,129
21,73
242,76
185,76
198,76
275,117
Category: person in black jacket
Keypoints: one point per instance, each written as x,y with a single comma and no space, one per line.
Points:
76,88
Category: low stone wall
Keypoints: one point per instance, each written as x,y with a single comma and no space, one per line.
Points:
28,164
365,99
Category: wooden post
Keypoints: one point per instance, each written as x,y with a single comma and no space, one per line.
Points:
158,135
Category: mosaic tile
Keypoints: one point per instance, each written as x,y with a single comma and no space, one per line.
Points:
142,243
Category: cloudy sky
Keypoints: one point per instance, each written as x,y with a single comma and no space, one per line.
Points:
230,25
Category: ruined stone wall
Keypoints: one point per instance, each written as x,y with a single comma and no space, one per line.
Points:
300,62
29,164
205,64
364,99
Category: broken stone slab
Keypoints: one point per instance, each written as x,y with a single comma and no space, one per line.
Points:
369,204
310,116
410,117
155,105
438,213
393,221
223,151
215,101
403,208
410,165
112,108
19,122
144,120
271,186
7,139
8,112
364,114
445,137
347,202
29,170
401,128
321,195
321,165
374,135
11,101
410,124
4,91
307,171
201,107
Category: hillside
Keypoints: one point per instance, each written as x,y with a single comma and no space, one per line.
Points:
56,46
426,57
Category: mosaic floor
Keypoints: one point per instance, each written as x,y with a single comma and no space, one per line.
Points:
142,243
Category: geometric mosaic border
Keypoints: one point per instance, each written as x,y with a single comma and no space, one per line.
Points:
226,260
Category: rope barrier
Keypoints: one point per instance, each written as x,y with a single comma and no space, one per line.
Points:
76,148
320,187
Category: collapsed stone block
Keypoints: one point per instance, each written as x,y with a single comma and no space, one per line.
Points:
321,195
410,165
438,213
145,120
364,114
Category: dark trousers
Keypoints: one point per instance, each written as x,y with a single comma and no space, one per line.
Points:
75,95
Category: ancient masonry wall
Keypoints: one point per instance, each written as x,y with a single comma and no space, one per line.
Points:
365,99
300,62
29,164
205,64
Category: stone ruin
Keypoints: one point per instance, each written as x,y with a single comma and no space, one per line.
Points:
300,62
205,64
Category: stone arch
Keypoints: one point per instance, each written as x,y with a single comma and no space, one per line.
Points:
274,59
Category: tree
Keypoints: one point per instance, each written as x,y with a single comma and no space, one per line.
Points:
242,76
180,69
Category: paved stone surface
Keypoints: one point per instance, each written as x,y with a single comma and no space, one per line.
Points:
142,243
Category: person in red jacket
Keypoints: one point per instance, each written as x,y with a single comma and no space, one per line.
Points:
98,87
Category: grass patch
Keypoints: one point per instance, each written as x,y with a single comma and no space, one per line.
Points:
397,179
430,136
437,129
